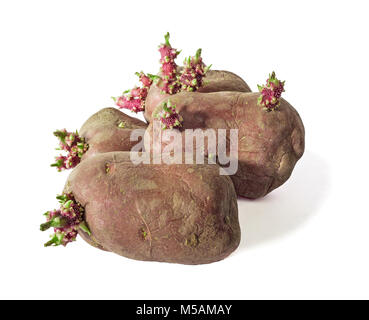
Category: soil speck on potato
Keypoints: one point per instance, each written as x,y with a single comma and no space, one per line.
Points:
143,233
122,124
107,168
192,241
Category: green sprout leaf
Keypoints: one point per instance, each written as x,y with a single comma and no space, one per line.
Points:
68,204
166,37
56,240
62,198
55,222
198,54
84,228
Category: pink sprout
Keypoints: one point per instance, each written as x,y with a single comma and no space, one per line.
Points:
66,221
270,93
168,68
73,145
193,72
169,117
134,99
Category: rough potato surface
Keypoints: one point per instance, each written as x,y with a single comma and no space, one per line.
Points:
109,130
269,143
171,213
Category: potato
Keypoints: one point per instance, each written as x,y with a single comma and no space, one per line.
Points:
215,80
171,213
221,80
269,143
109,130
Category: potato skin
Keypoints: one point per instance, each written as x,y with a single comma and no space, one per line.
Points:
269,143
215,81
221,80
170,213
103,134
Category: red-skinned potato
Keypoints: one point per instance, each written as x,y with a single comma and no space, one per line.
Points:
269,143
167,212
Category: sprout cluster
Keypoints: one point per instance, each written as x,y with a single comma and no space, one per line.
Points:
134,99
168,116
270,93
66,221
73,145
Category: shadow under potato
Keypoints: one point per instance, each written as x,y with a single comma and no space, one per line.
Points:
287,208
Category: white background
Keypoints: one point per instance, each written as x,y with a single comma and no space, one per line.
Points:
61,61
